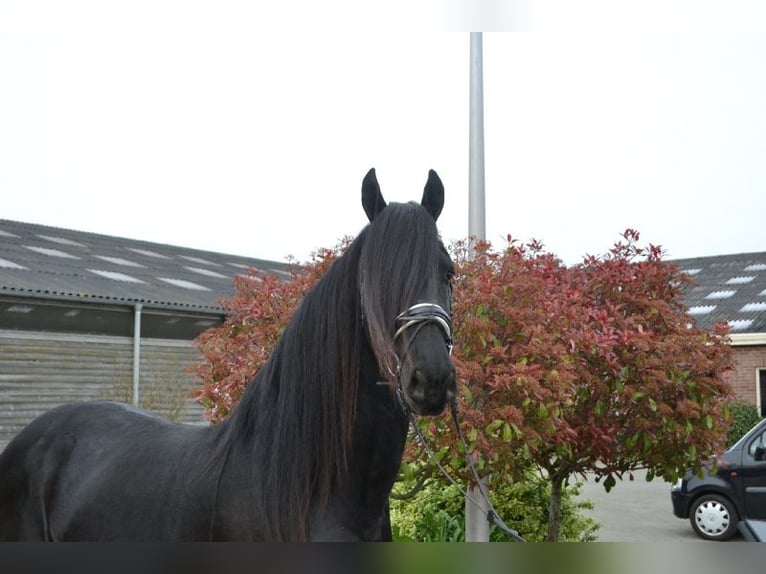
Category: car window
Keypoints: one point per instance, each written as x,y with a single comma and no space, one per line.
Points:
758,440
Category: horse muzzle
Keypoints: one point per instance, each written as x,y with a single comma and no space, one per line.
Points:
425,375
427,393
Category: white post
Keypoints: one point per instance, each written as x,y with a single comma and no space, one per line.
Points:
476,524
476,211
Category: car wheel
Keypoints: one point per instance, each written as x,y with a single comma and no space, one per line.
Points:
714,517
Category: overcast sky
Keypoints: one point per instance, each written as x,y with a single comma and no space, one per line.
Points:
244,129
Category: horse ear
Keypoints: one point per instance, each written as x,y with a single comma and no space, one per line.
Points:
372,199
433,195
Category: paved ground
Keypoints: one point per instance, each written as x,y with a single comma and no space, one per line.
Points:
637,511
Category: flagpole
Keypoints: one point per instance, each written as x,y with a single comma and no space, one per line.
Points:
476,211
476,509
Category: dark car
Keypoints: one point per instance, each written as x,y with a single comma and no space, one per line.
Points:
736,491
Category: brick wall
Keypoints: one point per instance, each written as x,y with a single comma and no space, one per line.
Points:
743,379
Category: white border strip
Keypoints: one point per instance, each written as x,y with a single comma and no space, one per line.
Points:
742,339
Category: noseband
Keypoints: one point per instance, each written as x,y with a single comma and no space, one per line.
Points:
419,316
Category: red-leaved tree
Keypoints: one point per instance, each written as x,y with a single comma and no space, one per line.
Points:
592,368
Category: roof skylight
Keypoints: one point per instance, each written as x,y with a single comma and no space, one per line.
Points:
207,272
724,294
10,264
120,261
701,309
740,280
753,307
740,324
51,252
60,240
114,276
148,253
199,260
184,284
756,267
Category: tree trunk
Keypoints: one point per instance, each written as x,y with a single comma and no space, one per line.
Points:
554,512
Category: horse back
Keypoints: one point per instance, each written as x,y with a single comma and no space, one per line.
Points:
101,471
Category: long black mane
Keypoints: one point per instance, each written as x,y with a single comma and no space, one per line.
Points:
297,413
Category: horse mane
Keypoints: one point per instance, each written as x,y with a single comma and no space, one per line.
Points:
298,412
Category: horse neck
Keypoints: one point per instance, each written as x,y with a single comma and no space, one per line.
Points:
314,419
294,424
318,356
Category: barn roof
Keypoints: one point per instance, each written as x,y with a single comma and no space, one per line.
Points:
37,261
729,288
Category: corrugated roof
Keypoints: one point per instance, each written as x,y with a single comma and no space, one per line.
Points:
729,288
56,263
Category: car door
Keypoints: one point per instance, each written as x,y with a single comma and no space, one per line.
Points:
753,473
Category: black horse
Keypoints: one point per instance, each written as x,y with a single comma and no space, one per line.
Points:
313,448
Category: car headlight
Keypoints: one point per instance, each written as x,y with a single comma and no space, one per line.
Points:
678,484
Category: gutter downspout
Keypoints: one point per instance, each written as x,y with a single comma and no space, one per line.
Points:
136,351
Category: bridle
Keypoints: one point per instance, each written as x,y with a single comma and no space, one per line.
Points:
417,317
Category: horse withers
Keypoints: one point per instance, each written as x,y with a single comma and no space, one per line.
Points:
312,449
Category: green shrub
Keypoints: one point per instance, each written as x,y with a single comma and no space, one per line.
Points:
436,512
743,416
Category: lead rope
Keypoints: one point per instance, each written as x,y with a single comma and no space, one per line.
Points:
492,516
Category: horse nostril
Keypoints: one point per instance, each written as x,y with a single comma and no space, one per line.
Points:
419,379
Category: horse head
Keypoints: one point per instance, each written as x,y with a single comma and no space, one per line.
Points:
405,282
